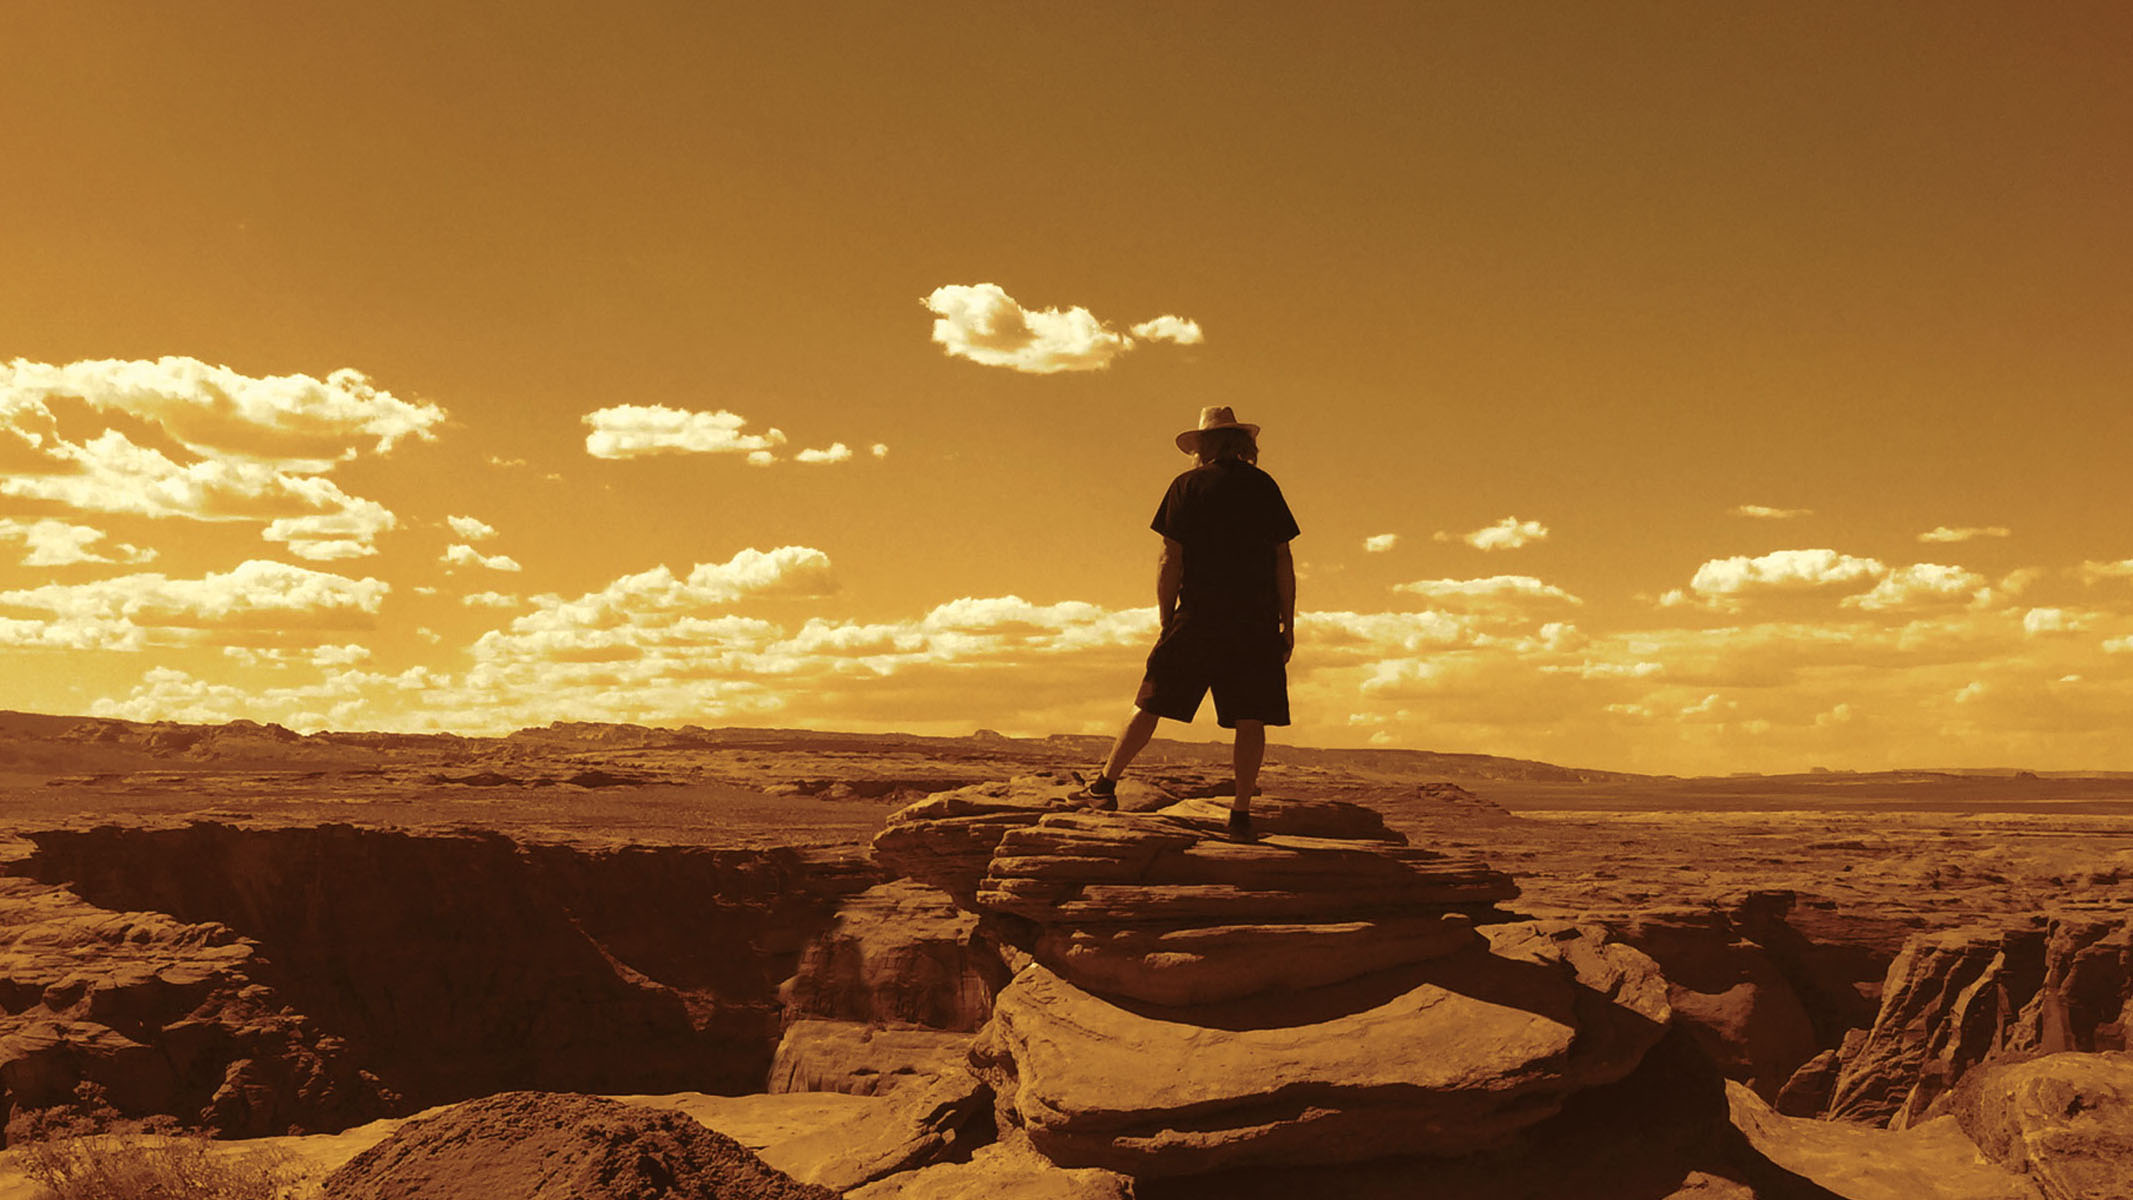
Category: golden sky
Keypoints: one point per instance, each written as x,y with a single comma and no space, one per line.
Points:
1682,387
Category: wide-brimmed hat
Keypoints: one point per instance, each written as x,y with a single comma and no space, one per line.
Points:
1214,416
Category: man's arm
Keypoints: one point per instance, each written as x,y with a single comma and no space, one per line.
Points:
1169,578
1285,591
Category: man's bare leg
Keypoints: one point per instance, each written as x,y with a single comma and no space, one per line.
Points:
1246,755
1131,741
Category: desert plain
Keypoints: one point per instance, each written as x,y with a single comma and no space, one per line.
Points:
887,965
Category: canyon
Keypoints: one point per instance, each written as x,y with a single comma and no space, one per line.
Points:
271,938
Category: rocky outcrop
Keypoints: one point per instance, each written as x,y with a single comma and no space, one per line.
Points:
1953,1000
1007,1170
358,965
1930,1161
2063,1120
1728,992
1150,908
1443,1057
900,952
947,839
862,1059
940,1122
117,1016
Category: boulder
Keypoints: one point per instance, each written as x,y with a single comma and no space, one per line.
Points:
1443,1057
861,1059
1007,1170
1956,998
1151,907
1295,818
900,952
2064,1120
914,1128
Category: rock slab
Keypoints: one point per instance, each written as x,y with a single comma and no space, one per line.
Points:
1442,1057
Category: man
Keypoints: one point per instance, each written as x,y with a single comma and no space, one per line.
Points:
1226,591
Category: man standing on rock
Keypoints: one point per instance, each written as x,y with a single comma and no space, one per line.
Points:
1226,591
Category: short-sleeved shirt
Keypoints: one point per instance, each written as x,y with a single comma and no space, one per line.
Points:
1229,516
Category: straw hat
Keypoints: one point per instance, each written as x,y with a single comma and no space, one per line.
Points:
1214,416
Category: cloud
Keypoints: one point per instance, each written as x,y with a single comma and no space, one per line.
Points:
2038,621
52,543
1379,543
836,453
1495,587
2096,572
1507,534
258,597
1167,328
1920,584
880,450
1783,570
1764,512
984,324
469,529
328,536
637,430
460,554
1942,533
494,461
297,422
490,600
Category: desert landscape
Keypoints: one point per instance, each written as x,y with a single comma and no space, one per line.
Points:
887,965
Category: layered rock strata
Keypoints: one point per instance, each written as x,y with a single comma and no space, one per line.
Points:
1953,1000
1443,1057
1148,907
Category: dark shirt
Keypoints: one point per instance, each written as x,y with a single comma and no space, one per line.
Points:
1230,516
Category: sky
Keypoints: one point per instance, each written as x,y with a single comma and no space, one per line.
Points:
1672,387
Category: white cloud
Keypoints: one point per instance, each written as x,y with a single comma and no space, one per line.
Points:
490,600
325,537
1783,570
881,450
1167,328
982,323
1764,512
257,597
53,543
1507,534
2097,572
459,554
837,452
1495,587
636,430
1379,543
297,422
1942,533
495,461
345,655
1920,584
470,529
2055,620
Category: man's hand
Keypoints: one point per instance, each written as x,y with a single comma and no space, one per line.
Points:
1288,642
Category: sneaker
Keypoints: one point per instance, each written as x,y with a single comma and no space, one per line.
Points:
1240,826
1097,792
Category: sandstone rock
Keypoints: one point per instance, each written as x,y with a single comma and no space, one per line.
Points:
864,1060
1006,1170
551,1146
1807,1093
1296,818
948,838
1442,1057
2065,1120
1728,991
1956,998
1151,908
914,1128
899,952
1931,1161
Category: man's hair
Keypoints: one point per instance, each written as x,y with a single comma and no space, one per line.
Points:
1218,444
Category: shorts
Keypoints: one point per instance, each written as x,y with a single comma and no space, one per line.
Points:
1244,669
